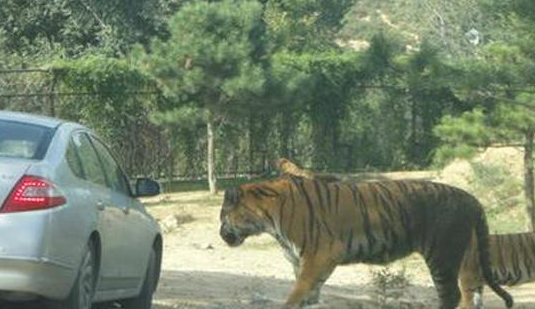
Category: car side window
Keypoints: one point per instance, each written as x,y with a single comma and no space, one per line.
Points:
117,179
90,162
73,160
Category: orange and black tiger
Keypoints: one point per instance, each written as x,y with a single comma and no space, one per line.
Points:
285,166
512,261
322,224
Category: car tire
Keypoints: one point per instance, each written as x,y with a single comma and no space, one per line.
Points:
144,299
81,295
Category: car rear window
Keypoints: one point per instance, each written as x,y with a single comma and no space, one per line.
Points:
23,140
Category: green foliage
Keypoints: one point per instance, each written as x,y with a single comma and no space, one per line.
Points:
110,26
379,57
186,116
211,58
304,25
462,135
113,98
500,82
112,81
109,83
275,80
211,69
443,24
109,76
469,129
372,132
321,84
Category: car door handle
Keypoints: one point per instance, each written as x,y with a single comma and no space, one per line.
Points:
126,210
100,206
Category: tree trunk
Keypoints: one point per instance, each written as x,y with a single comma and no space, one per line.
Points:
211,156
171,161
286,129
251,136
528,179
52,98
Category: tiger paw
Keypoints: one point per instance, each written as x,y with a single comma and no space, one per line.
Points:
309,304
311,301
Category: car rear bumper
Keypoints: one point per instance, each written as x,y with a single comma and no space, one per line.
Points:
27,277
29,263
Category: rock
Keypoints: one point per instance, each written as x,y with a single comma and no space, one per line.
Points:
173,222
169,224
203,246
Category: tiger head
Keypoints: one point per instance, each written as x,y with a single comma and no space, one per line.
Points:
246,212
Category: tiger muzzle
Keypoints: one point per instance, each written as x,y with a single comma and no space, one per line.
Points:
232,238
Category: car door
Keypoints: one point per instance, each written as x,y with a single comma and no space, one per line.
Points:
108,217
135,246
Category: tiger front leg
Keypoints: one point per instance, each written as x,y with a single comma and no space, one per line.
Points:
314,295
311,273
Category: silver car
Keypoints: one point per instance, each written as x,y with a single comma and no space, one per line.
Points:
71,230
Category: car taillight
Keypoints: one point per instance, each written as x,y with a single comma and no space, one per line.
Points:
33,193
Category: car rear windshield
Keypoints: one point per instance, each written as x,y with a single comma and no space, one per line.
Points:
23,140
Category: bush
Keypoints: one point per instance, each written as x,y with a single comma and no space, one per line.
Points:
390,287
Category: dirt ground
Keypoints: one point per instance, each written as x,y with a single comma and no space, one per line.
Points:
201,272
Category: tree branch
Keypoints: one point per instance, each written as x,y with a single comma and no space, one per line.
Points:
97,18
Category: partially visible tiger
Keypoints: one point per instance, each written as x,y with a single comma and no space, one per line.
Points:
512,261
323,224
285,166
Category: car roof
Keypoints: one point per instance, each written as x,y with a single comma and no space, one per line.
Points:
31,119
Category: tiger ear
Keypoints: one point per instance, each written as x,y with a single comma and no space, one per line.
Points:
232,197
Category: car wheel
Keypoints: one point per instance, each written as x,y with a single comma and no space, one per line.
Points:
81,295
144,299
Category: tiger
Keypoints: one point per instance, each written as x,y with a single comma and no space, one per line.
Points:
285,166
512,262
321,225
507,265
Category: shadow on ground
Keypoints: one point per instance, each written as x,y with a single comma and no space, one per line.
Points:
218,290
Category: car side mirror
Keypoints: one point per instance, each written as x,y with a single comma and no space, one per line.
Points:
146,187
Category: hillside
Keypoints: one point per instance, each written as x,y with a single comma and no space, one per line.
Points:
445,24
495,177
